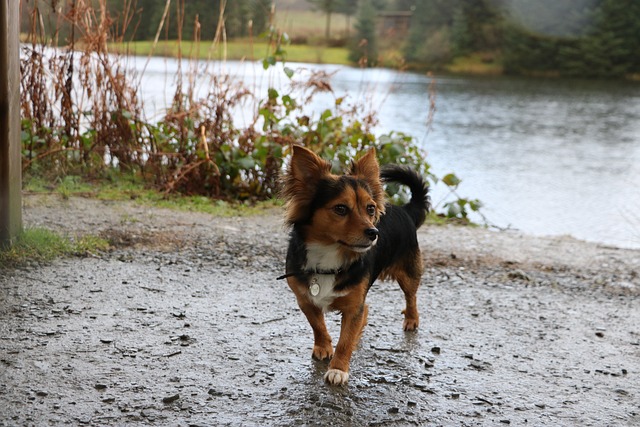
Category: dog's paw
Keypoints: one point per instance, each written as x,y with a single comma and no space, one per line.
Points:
322,353
411,321
410,324
336,377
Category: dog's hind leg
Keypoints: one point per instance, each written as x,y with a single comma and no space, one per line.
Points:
409,285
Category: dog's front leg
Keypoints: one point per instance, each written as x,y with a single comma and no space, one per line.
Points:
350,331
322,346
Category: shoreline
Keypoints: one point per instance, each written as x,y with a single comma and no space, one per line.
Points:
462,67
162,228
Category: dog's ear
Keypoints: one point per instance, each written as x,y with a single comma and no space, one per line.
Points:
300,182
368,170
307,167
367,166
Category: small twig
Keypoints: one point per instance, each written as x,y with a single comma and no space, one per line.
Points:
152,289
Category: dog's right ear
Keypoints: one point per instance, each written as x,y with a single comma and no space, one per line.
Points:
305,170
307,167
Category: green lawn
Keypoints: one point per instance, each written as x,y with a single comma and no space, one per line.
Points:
305,28
310,24
233,50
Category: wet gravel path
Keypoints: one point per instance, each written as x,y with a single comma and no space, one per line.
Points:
184,324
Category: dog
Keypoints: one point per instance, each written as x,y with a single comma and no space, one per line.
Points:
343,237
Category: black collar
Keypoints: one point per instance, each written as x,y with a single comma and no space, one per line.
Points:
309,272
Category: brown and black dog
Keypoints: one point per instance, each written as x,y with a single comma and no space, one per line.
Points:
344,236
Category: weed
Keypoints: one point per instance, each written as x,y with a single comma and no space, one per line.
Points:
82,117
35,245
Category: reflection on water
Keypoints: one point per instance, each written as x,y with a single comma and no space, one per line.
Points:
548,157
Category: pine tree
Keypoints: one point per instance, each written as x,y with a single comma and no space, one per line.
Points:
328,7
364,48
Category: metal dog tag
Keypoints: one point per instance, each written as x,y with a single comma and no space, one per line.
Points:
314,289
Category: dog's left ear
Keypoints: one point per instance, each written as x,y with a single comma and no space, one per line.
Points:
368,169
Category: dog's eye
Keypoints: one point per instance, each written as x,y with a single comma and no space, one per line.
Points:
371,210
341,210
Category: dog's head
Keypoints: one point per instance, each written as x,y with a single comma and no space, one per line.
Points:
334,209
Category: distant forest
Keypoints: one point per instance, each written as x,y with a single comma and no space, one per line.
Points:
586,38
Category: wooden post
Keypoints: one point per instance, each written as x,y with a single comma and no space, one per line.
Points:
10,159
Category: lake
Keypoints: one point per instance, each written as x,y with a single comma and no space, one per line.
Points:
545,156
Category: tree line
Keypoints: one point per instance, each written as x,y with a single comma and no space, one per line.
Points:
587,38
580,38
241,17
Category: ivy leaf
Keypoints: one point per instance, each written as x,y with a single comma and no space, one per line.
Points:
326,114
451,180
475,205
268,61
288,71
246,162
453,210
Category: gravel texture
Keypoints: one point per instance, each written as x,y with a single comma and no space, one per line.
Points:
183,323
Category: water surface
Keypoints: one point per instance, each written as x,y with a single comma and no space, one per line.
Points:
548,157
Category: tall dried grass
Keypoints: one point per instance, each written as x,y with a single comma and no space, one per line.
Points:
82,114
79,109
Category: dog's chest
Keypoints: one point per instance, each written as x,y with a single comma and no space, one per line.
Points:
323,258
321,290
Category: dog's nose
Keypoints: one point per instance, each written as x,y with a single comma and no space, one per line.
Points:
372,233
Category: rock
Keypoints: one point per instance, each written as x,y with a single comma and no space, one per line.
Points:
170,399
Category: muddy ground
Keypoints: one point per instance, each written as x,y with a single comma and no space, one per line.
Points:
184,324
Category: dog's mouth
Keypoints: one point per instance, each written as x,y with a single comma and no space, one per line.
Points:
358,247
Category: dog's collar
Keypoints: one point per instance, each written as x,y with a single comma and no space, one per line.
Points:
309,272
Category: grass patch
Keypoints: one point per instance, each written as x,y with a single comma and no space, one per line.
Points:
42,245
241,49
476,63
215,207
309,23
128,187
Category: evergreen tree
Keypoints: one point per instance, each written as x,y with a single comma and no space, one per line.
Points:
404,5
260,13
364,49
429,35
618,25
612,49
461,38
328,7
348,8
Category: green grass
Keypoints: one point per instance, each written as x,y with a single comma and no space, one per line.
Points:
127,187
311,24
42,245
476,63
233,50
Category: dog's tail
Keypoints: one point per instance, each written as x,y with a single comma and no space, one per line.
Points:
420,203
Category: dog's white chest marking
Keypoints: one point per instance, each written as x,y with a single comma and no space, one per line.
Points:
321,290
323,258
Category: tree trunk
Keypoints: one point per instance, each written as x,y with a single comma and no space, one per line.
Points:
10,144
327,33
